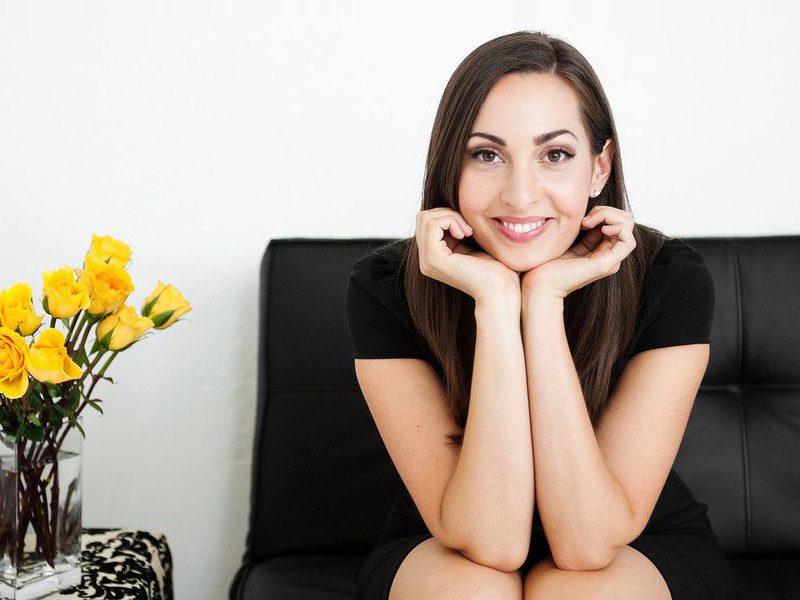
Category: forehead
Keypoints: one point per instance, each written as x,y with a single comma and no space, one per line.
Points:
529,103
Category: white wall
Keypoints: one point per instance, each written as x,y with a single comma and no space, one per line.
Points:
196,131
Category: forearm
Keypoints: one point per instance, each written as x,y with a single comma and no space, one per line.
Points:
487,508
582,505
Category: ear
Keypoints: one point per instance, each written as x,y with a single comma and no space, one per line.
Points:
602,165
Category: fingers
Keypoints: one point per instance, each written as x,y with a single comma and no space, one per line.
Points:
615,238
445,219
617,222
433,225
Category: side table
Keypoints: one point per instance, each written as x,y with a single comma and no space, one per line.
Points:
122,563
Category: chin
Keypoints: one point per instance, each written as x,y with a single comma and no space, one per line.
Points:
521,266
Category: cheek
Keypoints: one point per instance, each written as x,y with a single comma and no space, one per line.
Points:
574,202
469,195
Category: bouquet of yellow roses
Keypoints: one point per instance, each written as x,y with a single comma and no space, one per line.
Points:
47,377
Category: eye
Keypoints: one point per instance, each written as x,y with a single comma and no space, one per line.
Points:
483,151
562,152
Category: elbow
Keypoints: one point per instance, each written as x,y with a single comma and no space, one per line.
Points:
585,559
592,555
500,556
497,549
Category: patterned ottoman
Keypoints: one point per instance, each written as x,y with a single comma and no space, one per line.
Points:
122,564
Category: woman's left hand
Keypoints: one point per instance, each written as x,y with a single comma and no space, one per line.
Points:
599,254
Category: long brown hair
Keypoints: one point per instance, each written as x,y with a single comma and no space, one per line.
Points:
599,317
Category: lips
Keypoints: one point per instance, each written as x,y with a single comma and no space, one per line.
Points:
515,236
531,219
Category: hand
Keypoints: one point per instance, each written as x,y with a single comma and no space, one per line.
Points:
599,254
442,256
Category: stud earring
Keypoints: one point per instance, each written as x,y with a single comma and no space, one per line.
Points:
596,193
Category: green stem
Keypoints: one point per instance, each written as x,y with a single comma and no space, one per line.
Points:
75,318
26,404
77,332
95,379
89,368
82,343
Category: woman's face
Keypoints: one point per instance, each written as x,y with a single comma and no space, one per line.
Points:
514,170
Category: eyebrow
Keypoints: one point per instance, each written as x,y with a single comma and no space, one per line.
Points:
537,141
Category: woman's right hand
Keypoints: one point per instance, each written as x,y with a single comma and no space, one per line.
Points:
444,257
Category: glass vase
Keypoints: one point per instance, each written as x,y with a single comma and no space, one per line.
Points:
40,513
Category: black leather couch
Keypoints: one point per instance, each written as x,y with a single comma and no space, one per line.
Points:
322,481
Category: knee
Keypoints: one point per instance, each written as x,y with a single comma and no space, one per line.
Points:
471,581
545,581
433,571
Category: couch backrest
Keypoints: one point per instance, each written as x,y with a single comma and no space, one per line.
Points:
322,481
741,450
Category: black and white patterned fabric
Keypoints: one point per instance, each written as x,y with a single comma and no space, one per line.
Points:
118,564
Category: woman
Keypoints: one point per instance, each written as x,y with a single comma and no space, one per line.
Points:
538,356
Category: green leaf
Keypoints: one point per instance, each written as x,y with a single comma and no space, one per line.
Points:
106,339
149,306
107,378
73,398
74,421
35,433
161,318
53,390
65,323
46,305
34,419
94,404
36,401
21,430
83,360
55,416
95,347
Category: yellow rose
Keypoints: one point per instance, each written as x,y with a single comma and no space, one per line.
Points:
109,250
165,305
13,364
17,311
48,360
109,285
120,330
63,296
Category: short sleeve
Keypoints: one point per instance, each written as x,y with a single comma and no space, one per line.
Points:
681,303
375,330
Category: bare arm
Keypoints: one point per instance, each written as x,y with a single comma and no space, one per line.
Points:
582,504
487,508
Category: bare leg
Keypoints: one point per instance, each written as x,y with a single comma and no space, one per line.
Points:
630,576
432,571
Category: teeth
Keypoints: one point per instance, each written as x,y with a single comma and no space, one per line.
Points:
523,227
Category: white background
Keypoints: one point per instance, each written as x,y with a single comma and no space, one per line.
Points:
196,131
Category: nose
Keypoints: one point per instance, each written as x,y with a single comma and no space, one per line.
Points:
521,189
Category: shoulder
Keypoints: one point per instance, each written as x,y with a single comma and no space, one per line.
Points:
379,320
381,264
677,304
678,271
380,274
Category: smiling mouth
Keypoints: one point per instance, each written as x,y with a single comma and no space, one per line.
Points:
522,232
522,227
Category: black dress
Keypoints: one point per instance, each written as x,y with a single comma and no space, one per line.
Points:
677,308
